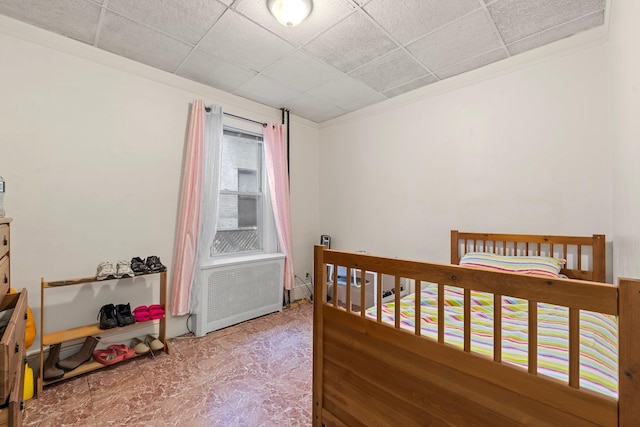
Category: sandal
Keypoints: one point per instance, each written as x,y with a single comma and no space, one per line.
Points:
154,343
107,357
139,347
141,313
123,350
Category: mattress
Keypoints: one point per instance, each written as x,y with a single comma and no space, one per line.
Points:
598,333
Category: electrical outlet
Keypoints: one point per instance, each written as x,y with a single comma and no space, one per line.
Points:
307,276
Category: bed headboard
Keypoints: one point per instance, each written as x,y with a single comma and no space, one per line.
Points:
585,256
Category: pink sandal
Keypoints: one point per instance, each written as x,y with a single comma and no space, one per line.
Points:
122,350
141,314
107,356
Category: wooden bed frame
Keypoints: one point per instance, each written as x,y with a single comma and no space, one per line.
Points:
369,373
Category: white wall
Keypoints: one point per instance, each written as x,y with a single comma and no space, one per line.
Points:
525,151
91,148
625,125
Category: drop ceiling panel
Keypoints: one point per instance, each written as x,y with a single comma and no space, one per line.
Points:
517,19
351,44
407,20
187,21
389,71
267,91
412,85
209,70
237,40
345,92
325,14
302,71
124,37
466,38
77,19
314,108
472,64
557,33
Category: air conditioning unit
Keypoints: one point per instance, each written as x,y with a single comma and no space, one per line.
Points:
237,290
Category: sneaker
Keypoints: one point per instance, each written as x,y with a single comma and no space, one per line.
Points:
138,266
124,316
105,271
107,317
154,264
123,269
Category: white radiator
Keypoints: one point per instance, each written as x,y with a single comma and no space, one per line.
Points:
239,290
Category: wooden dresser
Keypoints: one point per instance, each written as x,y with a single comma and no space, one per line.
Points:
13,318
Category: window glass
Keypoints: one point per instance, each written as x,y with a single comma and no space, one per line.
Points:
241,201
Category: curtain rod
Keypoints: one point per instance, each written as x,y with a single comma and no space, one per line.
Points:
208,109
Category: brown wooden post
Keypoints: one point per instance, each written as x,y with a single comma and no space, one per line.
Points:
599,262
455,248
319,298
628,352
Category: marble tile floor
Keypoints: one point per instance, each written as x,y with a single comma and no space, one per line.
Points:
257,373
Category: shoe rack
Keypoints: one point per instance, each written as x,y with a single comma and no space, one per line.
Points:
83,331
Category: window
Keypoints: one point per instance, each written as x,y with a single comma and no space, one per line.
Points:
245,221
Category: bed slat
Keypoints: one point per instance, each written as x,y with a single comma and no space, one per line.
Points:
397,300
497,328
348,289
379,299
533,338
574,348
334,280
440,313
417,307
467,320
579,257
363,291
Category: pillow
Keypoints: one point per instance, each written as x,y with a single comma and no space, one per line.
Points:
535,265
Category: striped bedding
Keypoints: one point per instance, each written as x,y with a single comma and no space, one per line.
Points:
598,333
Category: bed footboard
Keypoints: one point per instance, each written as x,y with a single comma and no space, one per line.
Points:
370,373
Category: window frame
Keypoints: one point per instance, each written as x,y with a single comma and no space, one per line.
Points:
266,227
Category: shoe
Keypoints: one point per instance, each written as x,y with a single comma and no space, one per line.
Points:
156,311
154,264
123,350
84,355
107,356
107,317
139,346
154,343
105,271
138,266
124,316
141,313
123,269
49,370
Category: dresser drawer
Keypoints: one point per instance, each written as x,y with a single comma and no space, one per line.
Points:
12,342
5,280
4,239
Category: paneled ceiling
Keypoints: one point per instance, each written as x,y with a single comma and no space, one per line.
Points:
347,55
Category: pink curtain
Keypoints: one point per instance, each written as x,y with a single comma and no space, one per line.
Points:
185,252
276,159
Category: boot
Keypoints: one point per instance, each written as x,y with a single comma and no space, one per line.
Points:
50,371
85,354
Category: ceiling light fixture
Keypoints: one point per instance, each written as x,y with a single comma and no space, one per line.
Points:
290,12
